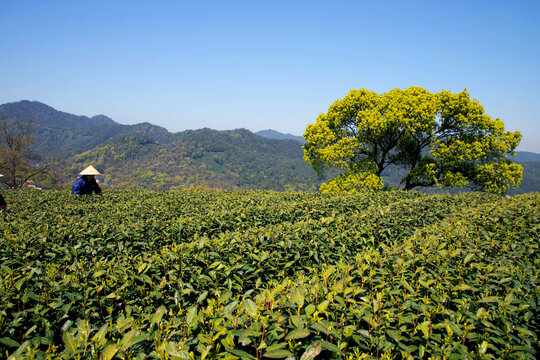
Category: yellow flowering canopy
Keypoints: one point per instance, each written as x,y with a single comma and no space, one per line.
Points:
442,139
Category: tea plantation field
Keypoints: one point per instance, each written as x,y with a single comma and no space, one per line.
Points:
264,275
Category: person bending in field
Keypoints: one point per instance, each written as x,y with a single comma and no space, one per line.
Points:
3,205
86,184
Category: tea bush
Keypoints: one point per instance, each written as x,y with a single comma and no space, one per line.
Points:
212,274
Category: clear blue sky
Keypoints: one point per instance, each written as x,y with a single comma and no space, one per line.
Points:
259,65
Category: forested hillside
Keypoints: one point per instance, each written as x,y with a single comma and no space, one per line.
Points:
236,159
273,134
149,157
63,135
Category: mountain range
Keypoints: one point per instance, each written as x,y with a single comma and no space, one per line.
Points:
273,134
148,156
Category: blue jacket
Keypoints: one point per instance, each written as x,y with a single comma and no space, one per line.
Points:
84,186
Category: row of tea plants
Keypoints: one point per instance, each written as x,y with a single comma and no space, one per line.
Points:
255,275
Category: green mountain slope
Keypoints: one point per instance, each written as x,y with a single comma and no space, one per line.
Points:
526,156
273,134
63,135
531,178
235,159
148,156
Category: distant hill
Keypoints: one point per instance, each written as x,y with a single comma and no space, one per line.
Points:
273,134
525,156
233,159
148,156
66,134
46,116
531,178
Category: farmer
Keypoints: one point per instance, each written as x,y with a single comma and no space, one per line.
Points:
3,205
86,183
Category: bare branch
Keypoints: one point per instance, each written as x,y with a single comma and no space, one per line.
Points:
17,160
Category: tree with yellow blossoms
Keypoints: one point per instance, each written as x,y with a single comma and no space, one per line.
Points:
441,139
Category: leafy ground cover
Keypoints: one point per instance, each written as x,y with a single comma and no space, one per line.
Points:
214,274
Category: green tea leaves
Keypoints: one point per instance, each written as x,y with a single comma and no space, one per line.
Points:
211,274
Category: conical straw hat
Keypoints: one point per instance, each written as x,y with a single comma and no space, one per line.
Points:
89,171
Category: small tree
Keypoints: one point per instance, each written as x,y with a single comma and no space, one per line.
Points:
18,163
441,139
